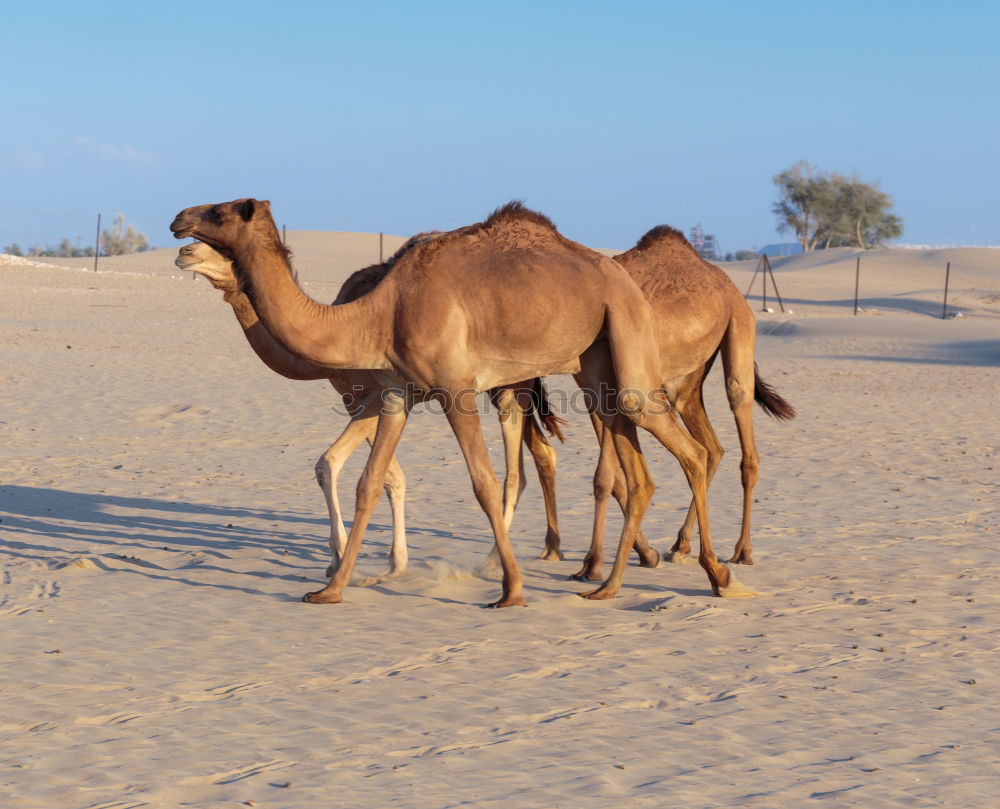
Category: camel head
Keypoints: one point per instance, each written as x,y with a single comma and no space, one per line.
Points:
226,226
206,261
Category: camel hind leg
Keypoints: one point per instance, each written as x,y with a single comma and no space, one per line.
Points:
740,375
691,407
641,399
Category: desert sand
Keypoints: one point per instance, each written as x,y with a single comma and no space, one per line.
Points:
159,523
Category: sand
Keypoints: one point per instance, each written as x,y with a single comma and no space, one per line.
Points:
160,523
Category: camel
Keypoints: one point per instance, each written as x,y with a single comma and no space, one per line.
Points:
503,300
361,392
699,314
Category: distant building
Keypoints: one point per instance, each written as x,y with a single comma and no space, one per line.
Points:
781,249
705,244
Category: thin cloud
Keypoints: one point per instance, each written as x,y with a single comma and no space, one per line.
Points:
30,159
114,153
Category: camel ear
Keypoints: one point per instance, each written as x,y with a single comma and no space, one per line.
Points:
247,209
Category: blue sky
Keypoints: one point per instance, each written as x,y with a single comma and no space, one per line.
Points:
610,117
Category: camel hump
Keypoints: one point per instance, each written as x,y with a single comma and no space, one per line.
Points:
363,281
516,211
661,233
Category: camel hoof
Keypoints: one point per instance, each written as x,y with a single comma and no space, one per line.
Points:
676,557
652,559
741,559
322,597
552,555
508,601
587,575
735,590
600,594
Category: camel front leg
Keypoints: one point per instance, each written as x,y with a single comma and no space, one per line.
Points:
395,489
464,420
329,466
640,493
511,420
604,476
609,480
544,457
390,427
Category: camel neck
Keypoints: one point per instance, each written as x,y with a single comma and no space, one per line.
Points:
352,335
274,355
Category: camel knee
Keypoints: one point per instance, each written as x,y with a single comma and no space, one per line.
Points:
367,492
695,465
640,492
486,488
714,458
395,480
326,471
750,469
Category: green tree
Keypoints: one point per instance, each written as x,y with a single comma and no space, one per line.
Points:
865,211
13,249
827,209
122,239
801,193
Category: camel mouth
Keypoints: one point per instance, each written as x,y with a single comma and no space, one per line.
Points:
184,258
180,228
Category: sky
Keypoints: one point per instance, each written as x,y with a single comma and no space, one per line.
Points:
609,117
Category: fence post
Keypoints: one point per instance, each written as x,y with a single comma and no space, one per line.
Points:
763,275
284,240
380,259
857,281
774,283
97,242
947,276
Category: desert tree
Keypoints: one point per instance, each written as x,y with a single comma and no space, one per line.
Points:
122,239
827,209
801,198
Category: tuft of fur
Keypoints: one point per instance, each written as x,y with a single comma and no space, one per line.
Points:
658,234
515,210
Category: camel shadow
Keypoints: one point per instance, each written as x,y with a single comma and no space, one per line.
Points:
899,303
40,520
971,353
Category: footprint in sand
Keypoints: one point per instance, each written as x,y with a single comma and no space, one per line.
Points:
169,413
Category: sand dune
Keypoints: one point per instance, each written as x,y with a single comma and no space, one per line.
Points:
159,522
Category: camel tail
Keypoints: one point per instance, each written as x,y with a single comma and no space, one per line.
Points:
770,401
540,405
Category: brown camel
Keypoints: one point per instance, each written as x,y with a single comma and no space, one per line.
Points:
362,396
699,314
504,300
